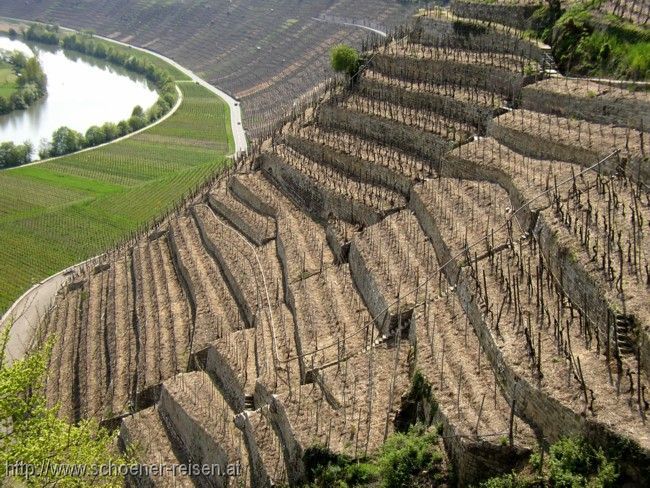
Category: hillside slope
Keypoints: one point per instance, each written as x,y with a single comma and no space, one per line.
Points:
375,235
266,53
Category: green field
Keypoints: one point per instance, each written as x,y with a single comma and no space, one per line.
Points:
8,83
60,212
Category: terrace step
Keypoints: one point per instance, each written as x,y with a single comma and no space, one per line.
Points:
214,308
583,143
257,228
502,74
268,444
410,140
484,287
470,107
249,402
469,35
325,192
236,259
591,101
416,115
200,420
388,275
145,430
355,167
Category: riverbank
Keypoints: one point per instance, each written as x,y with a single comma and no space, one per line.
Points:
100,197
22,80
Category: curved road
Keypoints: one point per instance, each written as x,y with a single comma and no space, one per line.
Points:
24,315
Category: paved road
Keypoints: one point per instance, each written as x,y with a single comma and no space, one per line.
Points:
25,313
349,24
239,135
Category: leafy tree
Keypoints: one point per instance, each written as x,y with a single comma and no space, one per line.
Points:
66,140
15,154
33,435
32,73
123,127
137,122
111,131
345,59
18,60
95,135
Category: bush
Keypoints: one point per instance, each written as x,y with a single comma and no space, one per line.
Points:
38,436
584,42
327,469
405,456
15,154
345,59
571,463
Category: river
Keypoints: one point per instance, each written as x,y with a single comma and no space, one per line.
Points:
82,91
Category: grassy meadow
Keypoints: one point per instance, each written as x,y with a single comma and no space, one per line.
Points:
60,212
8,83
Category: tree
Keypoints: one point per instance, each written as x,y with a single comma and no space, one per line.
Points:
32,73
111,131
33,435
15,154
137,122
65,141
95,136
345,59
123,127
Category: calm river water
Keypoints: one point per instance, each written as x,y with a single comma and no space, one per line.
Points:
81,92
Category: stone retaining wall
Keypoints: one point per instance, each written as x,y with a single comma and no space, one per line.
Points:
245,307
273,409
513,15
195,441
354,167
409,139
548,417
472,36
467,112
498,80
599,109
320,202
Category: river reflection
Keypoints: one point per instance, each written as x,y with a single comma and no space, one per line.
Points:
82,91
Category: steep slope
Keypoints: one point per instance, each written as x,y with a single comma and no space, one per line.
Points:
267,54
420,220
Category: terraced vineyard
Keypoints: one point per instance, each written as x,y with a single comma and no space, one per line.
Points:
268,54
60,212
444,217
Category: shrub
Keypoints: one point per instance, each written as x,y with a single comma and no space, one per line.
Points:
571,463
345,59
405,456
38,436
